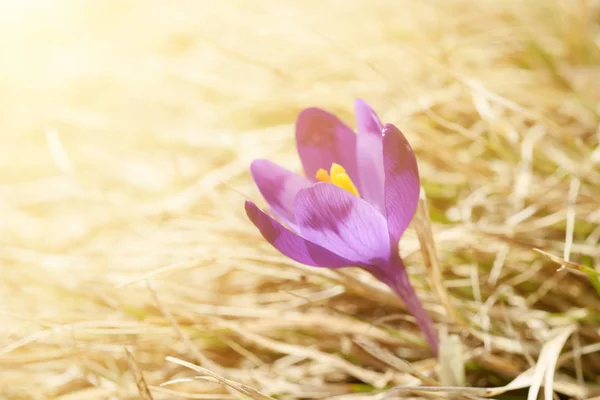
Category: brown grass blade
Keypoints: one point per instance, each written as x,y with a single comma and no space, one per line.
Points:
238,387
422,225
138,376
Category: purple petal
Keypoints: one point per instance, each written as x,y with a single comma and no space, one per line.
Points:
369,153
367,120
401,181
322,139
394,275
290,244
279,187
342,223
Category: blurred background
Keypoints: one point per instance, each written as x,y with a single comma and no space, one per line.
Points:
126,131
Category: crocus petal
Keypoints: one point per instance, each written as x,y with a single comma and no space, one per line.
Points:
401,181
369,155
342,223
290,244
322,139
279,187
367,121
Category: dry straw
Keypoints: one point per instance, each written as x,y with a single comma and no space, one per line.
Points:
130,271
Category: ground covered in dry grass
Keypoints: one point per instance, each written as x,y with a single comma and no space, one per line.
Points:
127,129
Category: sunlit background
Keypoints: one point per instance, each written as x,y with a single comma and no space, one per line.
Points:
126,131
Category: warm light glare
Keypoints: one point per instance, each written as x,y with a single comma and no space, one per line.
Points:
129,269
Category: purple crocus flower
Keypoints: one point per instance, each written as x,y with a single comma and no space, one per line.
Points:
355,213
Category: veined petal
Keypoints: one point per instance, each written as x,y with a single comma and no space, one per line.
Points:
402,183
369,154
323,139
279,187
342,223
292,245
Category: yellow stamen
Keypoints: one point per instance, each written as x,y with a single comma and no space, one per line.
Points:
323,176
338,176
344,181
336,169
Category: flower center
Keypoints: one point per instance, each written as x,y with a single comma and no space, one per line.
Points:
338,176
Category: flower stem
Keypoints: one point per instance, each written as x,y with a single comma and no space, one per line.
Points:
396,278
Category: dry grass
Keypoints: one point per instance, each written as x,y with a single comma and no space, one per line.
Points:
127,128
